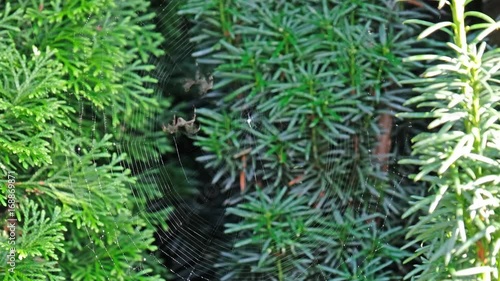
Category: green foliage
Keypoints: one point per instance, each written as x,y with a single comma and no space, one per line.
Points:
40,242
459,233
271,227
102,47
76,90
299,91
30,92
41,235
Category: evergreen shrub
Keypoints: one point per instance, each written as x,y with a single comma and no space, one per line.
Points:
75,95
297,134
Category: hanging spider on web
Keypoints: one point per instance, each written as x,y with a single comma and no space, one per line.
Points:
189,127
204,83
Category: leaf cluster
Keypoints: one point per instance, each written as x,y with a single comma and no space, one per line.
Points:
299,90
459,231
76,90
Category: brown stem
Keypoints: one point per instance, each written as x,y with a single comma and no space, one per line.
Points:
383,147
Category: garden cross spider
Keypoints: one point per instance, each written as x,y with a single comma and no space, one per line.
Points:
179,122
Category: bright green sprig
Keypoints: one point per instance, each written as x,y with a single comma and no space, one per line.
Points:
459,233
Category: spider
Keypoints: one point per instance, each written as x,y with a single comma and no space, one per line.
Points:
204,83
189,126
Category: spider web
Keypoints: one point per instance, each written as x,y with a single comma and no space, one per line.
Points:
194,241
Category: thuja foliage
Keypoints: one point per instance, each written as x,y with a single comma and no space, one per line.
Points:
458,237
73,94
304,93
